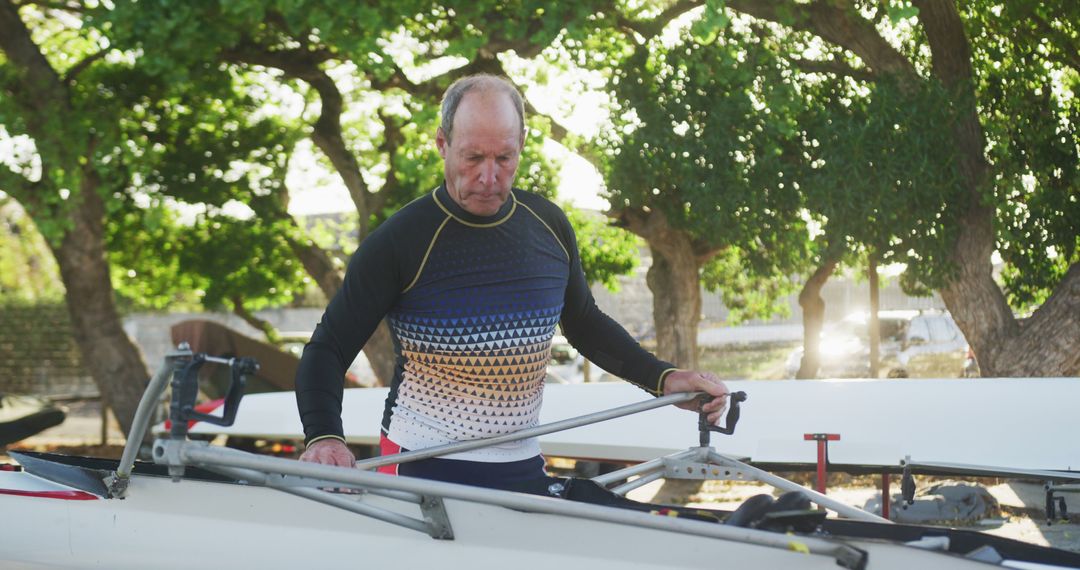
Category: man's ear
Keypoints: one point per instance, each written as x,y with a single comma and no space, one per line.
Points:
441,142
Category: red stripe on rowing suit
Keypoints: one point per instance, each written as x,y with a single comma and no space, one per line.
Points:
387,447
65,495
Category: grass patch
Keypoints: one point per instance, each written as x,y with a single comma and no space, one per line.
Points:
759,361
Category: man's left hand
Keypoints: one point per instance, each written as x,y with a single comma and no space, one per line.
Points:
694,381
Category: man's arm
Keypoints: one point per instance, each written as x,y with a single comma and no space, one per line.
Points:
370,288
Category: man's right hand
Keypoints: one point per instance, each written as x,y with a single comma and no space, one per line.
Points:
329,451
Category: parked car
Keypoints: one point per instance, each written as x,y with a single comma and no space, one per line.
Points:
909,340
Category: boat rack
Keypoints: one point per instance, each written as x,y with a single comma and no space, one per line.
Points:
346,488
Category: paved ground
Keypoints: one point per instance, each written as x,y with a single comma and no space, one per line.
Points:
82,427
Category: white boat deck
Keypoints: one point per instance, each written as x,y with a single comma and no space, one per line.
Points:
1009,423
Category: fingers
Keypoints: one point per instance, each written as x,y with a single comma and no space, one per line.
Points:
329,452
715,405
708,382
695,381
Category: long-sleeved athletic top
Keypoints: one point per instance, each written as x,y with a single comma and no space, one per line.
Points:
472,303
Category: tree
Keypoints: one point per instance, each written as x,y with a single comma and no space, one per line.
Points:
703,153
1013,184
943,50
383,155
880,181
48,90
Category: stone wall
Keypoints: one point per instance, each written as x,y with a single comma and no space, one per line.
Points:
152,331
38,354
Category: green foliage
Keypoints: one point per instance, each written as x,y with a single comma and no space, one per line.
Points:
707,134
900,11
205,146
144,254
204,119
883,174
606,251
242,259
27,270
334,234
717,129
747,295
713,20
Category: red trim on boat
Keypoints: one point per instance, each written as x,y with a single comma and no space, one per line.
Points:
203,408
65,495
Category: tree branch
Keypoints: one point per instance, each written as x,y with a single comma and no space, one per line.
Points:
327,132
262,325
1061,313
430,90
834,67
393,139
651,28
86,62
949,47
38,93
40,85
839,23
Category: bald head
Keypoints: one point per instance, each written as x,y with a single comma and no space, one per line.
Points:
480,84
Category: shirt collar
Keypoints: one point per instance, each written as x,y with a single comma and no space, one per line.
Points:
442,197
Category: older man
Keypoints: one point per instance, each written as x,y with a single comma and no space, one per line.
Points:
472,278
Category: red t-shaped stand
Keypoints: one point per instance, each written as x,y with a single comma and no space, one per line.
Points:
822,440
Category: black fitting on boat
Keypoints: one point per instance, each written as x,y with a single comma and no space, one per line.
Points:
185,390
705,428
907,485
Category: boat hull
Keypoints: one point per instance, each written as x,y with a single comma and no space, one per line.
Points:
165,524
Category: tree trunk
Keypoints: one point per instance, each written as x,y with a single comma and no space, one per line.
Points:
327,136
674,283
112,359
874,323
813,309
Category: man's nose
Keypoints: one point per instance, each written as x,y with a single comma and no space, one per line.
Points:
488,173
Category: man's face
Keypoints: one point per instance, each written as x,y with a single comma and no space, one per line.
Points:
482,158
